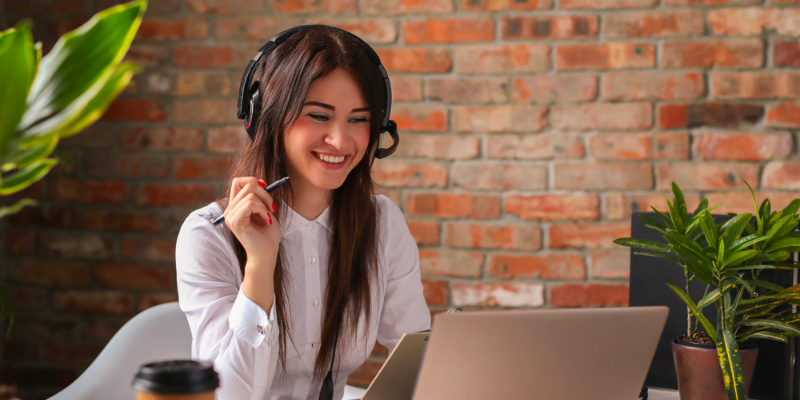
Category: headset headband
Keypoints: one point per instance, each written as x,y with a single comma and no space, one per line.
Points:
244,106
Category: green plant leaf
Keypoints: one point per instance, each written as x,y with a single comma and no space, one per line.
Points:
760,223
789,319
738,257
733,229
695,311
766,335
766,285
779,228
666,220
41,150
680,202
714,295
791,208
765,211
17,207
749,267
731,363
779,255
677,221
750,229
666,256
747,241
721,252
784,243
79,60
653,224
700,207
643,244
17,71
27,176
758,305
773,324
709,229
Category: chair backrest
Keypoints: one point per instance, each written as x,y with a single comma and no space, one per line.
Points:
158,333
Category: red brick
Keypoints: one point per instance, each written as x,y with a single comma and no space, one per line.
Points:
602,116
553,207
498,294
448,147
48,216
33,376
121,220
781,175
134,276
50,272
420,118
426,233
578,236
611,264
147,300
174,139
201,167
451,263
755,85
93,302
786,54
710,2
672,146
589,295
732,53
535,146
409,174
499,176
155,194
371,30
107,164
653,85
451,30
21,349
98,135
364,374
71,352
46,7
172,29
435,292
461,90
205,111
549,27
753,20
493,236
551,266
148,249
500,5
71,245
605,56
225,6
251,28
706,176
203,56
227,139
135,110
603,176
147,55
315,6
621,146
504,118
20,241
189,83
406,88
742,146
508,58
447,205
654,24
606,4
786,114
741,202
158,7
555,88
407,7
708,114
415,60
28,298
35,190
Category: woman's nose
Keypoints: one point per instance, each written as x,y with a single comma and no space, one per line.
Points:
336,136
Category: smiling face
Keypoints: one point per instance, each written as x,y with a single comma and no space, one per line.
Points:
331,135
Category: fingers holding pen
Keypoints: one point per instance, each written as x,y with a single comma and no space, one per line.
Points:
248,206
248,192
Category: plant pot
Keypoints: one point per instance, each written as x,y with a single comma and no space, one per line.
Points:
699,373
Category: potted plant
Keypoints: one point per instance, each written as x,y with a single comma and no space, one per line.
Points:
718,363
44,99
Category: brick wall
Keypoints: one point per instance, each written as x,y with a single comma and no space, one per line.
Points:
530,130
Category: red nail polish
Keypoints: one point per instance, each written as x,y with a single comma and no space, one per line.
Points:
270,219
274,207
262,183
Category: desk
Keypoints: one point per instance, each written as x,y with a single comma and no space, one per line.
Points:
662,394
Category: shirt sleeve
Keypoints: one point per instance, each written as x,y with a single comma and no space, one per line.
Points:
228,328
404,306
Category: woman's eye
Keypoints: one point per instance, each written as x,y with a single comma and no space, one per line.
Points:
318,117
359,120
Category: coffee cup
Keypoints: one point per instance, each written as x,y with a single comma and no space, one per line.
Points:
176,380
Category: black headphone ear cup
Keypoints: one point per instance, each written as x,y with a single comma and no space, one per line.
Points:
254,111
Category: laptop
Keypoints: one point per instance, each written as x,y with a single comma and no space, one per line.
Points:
549,354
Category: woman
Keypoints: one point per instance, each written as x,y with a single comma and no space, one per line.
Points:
321,261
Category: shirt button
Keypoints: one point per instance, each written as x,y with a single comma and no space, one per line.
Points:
310,226
314,302
260,329
314,345
312,260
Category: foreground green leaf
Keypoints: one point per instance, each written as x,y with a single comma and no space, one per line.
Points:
695,311
16,74
731,363
17,207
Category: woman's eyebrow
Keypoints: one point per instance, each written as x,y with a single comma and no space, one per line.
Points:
330,107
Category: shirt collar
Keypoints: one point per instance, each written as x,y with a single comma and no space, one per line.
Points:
292,221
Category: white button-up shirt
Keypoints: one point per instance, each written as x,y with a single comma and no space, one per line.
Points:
242,339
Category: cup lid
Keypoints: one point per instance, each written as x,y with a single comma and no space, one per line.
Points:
176,377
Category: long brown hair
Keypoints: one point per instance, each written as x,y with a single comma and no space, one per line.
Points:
286,76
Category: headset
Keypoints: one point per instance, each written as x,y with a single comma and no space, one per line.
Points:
248,107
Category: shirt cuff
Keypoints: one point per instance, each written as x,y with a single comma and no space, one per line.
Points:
249,321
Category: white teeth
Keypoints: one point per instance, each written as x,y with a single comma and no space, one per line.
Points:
330,159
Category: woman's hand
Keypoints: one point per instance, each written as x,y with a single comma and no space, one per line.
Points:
249,216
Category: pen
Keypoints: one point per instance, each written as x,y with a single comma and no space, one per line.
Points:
269,189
